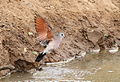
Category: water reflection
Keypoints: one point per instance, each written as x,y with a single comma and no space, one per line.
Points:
102,67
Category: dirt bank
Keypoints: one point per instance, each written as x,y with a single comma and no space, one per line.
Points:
87,24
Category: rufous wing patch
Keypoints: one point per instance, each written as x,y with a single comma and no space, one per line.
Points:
43,30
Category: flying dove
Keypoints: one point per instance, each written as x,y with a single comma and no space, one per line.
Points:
46,37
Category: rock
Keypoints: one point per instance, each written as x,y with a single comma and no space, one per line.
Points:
30,33
23,65
113,49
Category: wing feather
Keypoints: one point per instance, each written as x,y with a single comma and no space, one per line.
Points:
43,29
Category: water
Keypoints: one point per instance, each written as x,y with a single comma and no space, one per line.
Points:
102,67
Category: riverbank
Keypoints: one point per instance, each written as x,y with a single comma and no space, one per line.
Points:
88,25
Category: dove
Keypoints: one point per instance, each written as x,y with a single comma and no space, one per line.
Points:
47,37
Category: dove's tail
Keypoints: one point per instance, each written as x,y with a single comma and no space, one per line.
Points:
40,57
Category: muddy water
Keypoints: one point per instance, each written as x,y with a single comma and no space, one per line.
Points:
102,67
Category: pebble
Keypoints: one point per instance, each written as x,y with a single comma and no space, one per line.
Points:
110,71
114,50
35,53
95,50
30,33
25,50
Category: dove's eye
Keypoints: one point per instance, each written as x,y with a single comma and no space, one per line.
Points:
61,34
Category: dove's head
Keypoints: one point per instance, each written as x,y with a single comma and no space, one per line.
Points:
61,35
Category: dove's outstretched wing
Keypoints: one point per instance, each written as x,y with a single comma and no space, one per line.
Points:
45,34
43,29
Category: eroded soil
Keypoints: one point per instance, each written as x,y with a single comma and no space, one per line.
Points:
87,24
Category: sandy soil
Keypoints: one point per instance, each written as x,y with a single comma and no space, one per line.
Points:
87,24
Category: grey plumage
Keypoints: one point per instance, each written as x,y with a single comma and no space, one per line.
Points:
54,44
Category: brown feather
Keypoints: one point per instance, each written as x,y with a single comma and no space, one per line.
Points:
43,29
